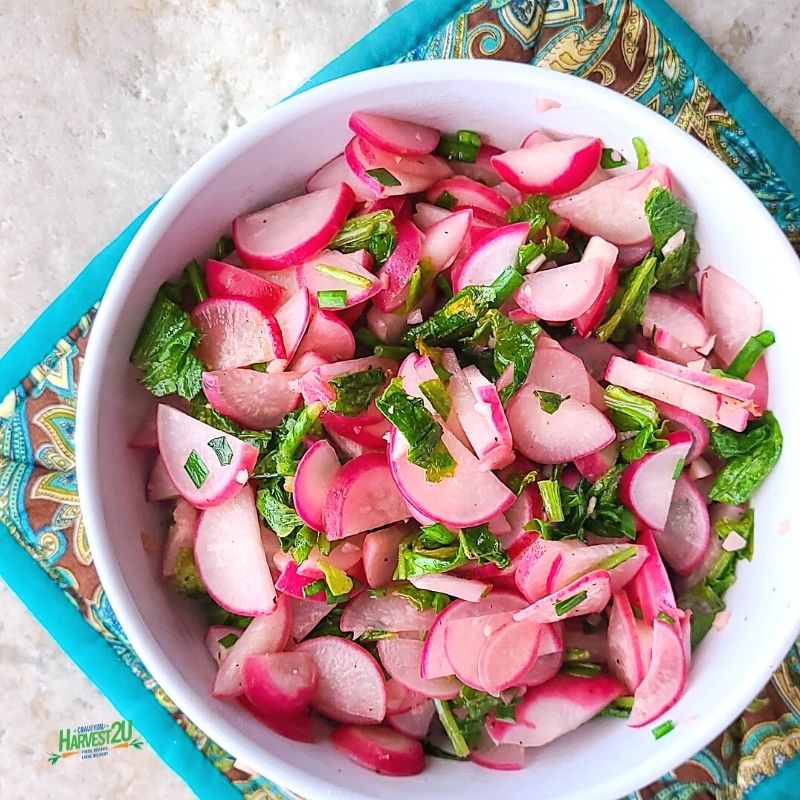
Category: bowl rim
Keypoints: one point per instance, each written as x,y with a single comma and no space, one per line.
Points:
198,709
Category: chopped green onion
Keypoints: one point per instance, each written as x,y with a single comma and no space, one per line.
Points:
562,606
615,559
366,337
196,469
665,618
676,473
464,146
611,159
444,285
446,200
551,499
505,284
222,450
194,274
374,636
620,708
383,176
344,275
663,729
460,747
581,670
549,402
332,298
314,588
642,157
752,350
223,248
229,640
576,654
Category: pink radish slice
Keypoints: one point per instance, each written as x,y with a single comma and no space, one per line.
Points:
663,312
576,560
345,556
357,282
316,387
573,431
490,257
562,293
315,473
362,497
390,612
291,583
730,387
400,699
672,348
562,704
556,370
732,313
468,497
606,253
596,585
626,655
159,484
347,447
219,652
235,333
394,135
180,535
594,642
350,686
550,657
435,663
299,727
594,466
505,757
280,683
468,192
230,559
306,615
426,215
462,588
220,477
481,170
414,722
265,634
334,173
684,540
705,404
594,353
465,640
539,562
444,239
550,167
665,679
255,400
508,655
759,377
387,326
285,278
631,254
380,749
327,336
647,484
614,209
399,267
515,196
402,658
288,233
225,280
371,435
145,436
651,590
294,318
699,469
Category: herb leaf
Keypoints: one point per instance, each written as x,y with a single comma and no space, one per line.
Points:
632,412
549,402
437,395
222,450
667,216
611,158
374,232
464,146
355,391
628,307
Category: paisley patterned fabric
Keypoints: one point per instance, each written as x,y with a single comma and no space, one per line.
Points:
612,43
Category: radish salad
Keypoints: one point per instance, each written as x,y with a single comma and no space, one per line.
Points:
458,445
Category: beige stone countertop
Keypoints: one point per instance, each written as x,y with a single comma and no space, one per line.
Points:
102,105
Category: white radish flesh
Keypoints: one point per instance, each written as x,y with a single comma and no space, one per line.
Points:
394,135
336,172
294,318
414,722
389,612
352,276
651,590
445,238
402,658
562,293
159,484
556,370
508,655
327,336
470,193
684,539
462,588
315,473
593,591
380,554
399,267
494,253
215,635
626,656
663,312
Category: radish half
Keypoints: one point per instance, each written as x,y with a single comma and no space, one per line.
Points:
628,660
389,612
402,658
327,336
594,353
684,540
159,484
508,655
556,370
607,253
445,238
592,591
380,749
394,135
505,757
465,640
293,319
562,293
651,590
665,313
352,276
495,252
315,474
212,641
336,172
225,280
470,193
414,722
379,553
461,588
306,615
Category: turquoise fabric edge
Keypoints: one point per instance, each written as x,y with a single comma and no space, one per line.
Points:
781,786
773,139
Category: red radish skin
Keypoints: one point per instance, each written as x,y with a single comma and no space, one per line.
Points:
550,167
298,727
362,497
306,615
314,476
235,333
594,466
556,370
327,336
670,347
596,584
257,401
759,377
350,687
462,588
663,312
470,193
504,757
562,293
280,683
336,172
219,652
607,253
402,658
684,540
180,435
390,612
651,590
399,267
594,353
180,535
414,722
387,326
394,135
380,749
354,264
626,654
230,560
537,565
294,318
371,436
508,655
225,280
665,679
159,484
490,257
290,232
444,239
265,634
732,313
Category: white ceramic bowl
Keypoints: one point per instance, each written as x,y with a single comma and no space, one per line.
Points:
269,160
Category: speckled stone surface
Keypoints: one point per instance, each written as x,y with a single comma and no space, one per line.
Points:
102,106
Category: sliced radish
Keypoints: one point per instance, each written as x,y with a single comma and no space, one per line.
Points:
402,658
577,560
549,658
380,749
594,641
684,539
288,233
362,497
705,404
394,135
556,370
426,214
292,584
669,346
386,325
505,757
400,699
390,612
759,377
614,209
414,722
225,280
461,588
465,640
594,353
159,484
146,437
593,589
594,466
574,430
606,253
651,590
550,167
562,293
330,270
314,476
280,683
495,252
665,679
327,336
350,687
306,615
399,267
334,173
255,400
180,535
538,564
213,641
265,634
316,386
219,463
732,313
235,333
294,318
347,448
663,312
508,655
469,193
481,169
371,436
445,238
626,654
